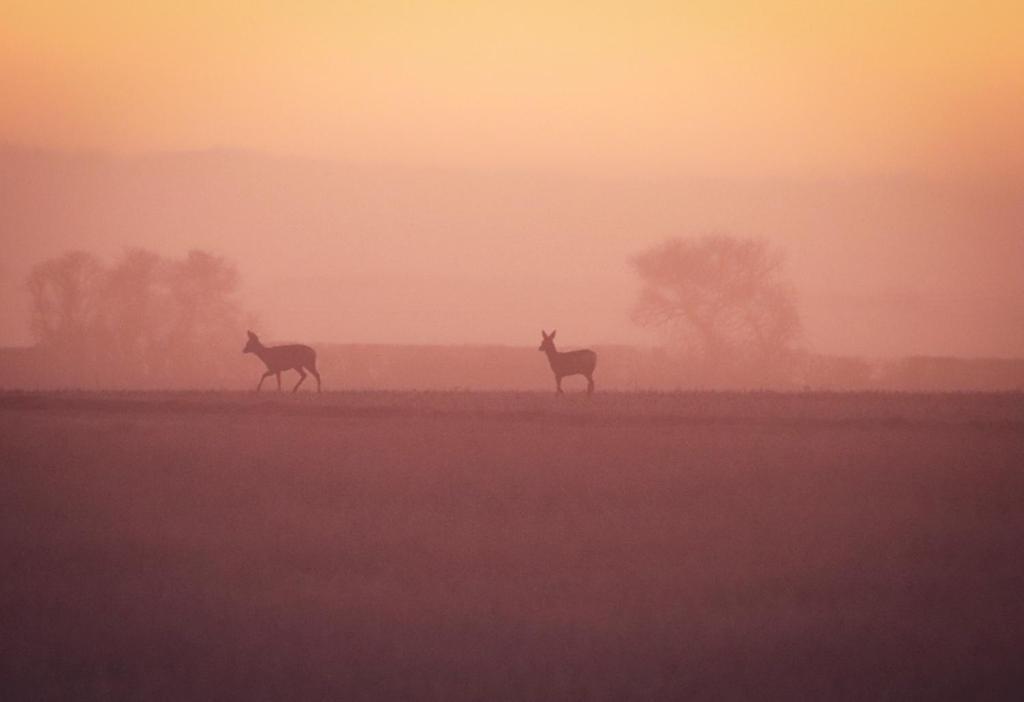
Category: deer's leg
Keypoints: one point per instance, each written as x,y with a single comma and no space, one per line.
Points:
558,383
302,376
262,378
590,385
312,369
278,374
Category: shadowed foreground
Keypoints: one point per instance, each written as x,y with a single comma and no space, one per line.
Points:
510,546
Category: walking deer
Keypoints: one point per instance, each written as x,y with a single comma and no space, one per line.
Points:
580,362
282,358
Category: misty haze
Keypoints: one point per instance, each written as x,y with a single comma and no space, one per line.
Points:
337,252
464,351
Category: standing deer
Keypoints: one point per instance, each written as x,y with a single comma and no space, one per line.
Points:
282,358
580,362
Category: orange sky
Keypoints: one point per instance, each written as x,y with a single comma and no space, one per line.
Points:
720,87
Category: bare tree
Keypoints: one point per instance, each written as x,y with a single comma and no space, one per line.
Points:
723,299
206,320
65,299
135,309
145,319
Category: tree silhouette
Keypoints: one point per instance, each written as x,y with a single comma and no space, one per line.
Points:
135,307
65,299
724,299
153,320
204,312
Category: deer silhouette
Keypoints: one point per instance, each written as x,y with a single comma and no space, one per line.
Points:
580,362
282,358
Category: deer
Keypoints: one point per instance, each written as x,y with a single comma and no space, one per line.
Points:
580,362
282,358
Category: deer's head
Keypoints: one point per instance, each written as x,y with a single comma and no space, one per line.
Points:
252,344
548,344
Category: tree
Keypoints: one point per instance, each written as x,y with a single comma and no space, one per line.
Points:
144,320
136,306
205,316
202,286
65,299
724,300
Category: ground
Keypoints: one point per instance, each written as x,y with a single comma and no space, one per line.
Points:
488,546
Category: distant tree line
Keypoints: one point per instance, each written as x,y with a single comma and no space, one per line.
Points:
724,306
459,367
143,319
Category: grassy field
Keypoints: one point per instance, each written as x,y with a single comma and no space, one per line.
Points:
511,546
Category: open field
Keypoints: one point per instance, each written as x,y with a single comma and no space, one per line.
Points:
489,546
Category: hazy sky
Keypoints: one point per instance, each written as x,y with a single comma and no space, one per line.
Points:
722,87
501,162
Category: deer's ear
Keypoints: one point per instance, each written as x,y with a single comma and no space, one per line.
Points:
543,334
251,335
553,332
